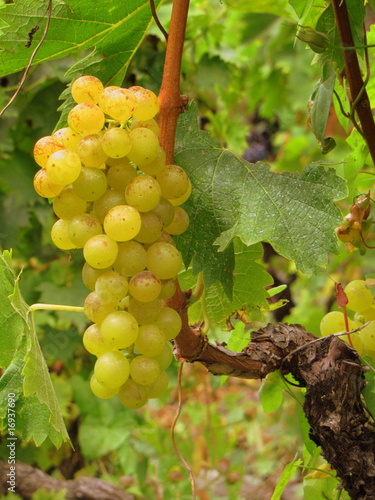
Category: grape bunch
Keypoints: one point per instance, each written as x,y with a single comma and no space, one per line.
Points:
115,197
362,302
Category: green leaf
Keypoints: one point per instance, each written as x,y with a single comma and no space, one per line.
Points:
271,392
112,29
286,476
294,212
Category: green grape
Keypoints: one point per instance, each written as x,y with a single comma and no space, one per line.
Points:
63,167
169,322
68,138
96,309
180,222
120,175
367,336
131,258
152,124
144,370
145,312
104,96
156,166
164,260
143,193
165,210
111,198
60,235
355,340
160,385
145,286
369,314
100,391
90,275
93,341
151,228
67,204
144,146
147,104
112,369
100,251
44,148
82,227
150,340
91,152
163,238
116,142
113,284
165,357
44,186
332,322
122,223
179,201
133,395
91,184
119,329
86,88
86,118
359,296
168,289
118,103
173,181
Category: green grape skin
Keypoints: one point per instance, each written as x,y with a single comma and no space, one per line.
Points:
82,227
150,340
103,98
100,251
112,369
369,314
122,223
43,185
359,296
147,104
90,275
332,322
155,166
165,357
145,286
119,329
111,198
118,103
180,222
90,151
67,204
164,260
86,118
169,322
144,146
133,395
145,312
144,370
91,184
93,341
113,284
165,210
96,309
156,389
116,142
120,175
63,167
86,88
152,124
173,181
179,201
60,235
168,289
44,148
68,138
151,228
163,238
100,391
143,193
367,336
131,258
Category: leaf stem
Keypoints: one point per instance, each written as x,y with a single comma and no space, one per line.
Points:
55,307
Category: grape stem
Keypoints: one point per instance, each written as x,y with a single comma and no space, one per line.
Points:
55,307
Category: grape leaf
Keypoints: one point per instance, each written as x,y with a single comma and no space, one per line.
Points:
112,29
25,374
294,212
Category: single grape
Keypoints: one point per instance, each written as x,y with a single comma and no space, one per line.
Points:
165,210
150,340
44,186
120,175
119,104
180,222
63,167
122,223
93,341
116,142
359,296
131,258
100,251
91,184
332,322
119,329
86,88
173,181
155,166
113,284
145,312
100,391
152,124
144,370
367,336
147,104
112,369
96,309
145,286
151,228
164,260
179,201
156,389
68,138
67,204
143,193
44,148
86,118
82,227
104,96
133,395
60,235
90,151
168,289
111,198
144,146
90,275
165,357
169,322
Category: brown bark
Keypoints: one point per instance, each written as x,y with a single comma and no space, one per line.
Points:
29,479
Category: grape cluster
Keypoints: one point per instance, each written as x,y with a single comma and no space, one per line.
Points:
362,302
116,198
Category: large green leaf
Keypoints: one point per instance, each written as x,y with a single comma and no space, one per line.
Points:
112,30
294,212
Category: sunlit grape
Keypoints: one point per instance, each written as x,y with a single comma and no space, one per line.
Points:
86,118
112,369
86,88
100,251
